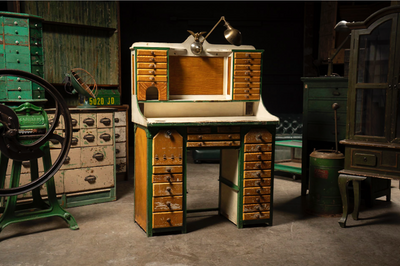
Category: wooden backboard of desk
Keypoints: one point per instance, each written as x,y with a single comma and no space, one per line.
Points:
182,101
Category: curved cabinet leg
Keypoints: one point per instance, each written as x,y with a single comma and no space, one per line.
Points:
342,180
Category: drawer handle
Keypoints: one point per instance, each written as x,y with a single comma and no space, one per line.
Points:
106,121
169,133
117,151
90,179
169,220
365,159
258,191
168,189
98,156
169,170
258,199
259,158
89,137
169,179
26,164
74,141
74,122
105,136
258,147
258,183
117,135
168,204
67,160
259,137
116,120
258,174
200,137
89,121
54,141
336,92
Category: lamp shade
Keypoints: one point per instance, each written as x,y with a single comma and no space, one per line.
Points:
232,35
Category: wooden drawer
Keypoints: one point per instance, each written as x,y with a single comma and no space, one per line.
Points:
88,178
147,52
198,129
104,120
257,174
88,120
248,91
247,61
257,165
152,71
120,134
257,207
247,67
213,137
258,136
246,96
247,73
228,129
151,78
60,124
247,55
75,121
257,147
120,119
120,165
167,219
89,137
163,178
253,191
214,144
105,136
257,182
167,204
120,149
363,158
256,215
151,59
167,148
73,159
167,169
246,79
152,65
257,156
97,156
256,199
167,189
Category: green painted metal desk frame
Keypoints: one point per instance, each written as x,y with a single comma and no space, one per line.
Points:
292,164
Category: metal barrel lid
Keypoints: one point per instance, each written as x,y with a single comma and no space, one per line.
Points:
327,154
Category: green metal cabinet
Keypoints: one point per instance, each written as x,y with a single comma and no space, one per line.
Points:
21,41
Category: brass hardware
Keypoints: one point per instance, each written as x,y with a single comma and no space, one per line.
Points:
168,189
156,157
258,191
169,179
259,137
172,157
74,122
169,220
168,204
165,157
259,158
116,120
169,170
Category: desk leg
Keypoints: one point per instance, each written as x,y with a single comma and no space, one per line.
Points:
342,180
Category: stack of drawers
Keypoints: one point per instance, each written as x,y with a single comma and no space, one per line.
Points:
152,71
224,137
257,174
21,49
167,179
120,141
247,76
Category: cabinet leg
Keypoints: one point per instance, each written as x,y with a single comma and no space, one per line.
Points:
342,180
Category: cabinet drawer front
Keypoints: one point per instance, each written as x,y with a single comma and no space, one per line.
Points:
73,159
247,61
120,149
255,85
89,137
257,147
76,139
257,182
104,120
247,73
256,199
120,119
161,87
248,55
336,92
247,91
319,105
151,78
213,137
364,159
257,174
246,97
167,148
152,59
256,207
88,120
167,169
97,156
228,129
120,134
146,52
163,178
255,215
258,136
88,178
10,21
246,79
167,204
214,144
257,165
167,189
152,71
55,144
60,124
198,129
16,40
75,121
120,165
105,136
247,67
257,156
25,167
167,219
256,191
152,65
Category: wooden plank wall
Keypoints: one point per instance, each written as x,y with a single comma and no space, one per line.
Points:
92,46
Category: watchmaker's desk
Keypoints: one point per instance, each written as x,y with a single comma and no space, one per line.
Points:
182,101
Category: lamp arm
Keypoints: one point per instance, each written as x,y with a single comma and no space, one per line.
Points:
222,18
330,59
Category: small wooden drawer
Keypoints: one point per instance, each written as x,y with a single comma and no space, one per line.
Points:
152,72
104,120
228,129
252,55
255,215
247,79
167,189
256,207
257,156
214,144
167,204
213,137
73,159
247,67
257,165
151,78
160,85
364,159
88,120
258,136
249,91
256,199
252,191
163,178
89,137
88,178
167,169
167,219
146,52
152,65
246,97
199,130
247,73
247,61
260,182
257,174
104,136
97,156
257,147
152,59
120,134
254,85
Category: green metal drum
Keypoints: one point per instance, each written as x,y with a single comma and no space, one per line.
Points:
324,195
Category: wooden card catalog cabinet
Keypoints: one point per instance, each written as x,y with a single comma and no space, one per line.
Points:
183,101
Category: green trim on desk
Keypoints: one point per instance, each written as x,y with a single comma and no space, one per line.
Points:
287,168
286,143
229,183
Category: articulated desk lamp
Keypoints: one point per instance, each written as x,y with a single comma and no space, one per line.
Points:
232,35
340,27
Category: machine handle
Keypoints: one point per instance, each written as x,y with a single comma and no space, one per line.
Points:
98,156
89,121
106,121
90,179
89,137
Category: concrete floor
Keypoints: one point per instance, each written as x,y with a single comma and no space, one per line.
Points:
109,236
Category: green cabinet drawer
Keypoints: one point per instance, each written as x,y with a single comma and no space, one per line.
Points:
17,58
19,95
10,21
23,67
36,33
36,42
17,50
37,60
38,70
332,93
16,40
325,105
364,159
36,50
38,94
16,31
